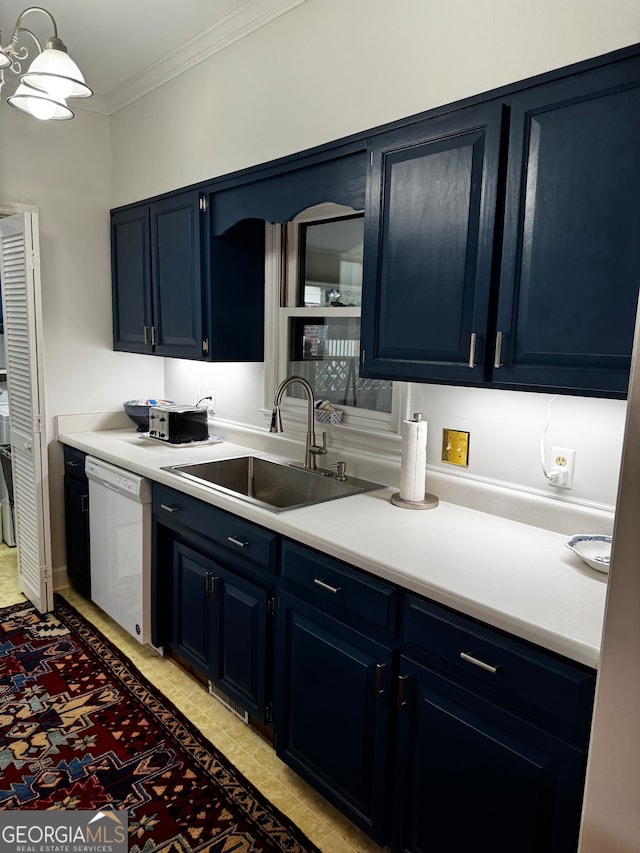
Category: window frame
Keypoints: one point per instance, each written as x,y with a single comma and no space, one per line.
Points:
282,245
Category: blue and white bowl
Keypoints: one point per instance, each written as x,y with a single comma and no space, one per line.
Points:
138,411
594,549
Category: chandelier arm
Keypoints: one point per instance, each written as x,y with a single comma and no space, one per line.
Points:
26,12
19,54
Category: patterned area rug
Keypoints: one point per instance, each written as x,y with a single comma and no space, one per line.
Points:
82,728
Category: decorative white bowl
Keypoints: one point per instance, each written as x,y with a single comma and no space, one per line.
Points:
594,549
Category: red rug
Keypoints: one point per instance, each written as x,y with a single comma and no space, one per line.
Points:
82,728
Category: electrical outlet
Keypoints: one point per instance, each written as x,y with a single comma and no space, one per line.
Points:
561,463
455,447
210,401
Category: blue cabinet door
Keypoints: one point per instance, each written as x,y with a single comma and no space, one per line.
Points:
131,280
240,640
76,514
219,625
176,271
470,776
430,217
571,253
332,715
190,629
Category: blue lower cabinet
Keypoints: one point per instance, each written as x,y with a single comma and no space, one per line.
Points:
429,730
219,625
471,776
239,662
76,516
190,621
332,711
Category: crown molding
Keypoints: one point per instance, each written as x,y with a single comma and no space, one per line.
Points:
247,19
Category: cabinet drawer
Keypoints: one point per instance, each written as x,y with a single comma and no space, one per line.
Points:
556,693
339,588
74,462
247,540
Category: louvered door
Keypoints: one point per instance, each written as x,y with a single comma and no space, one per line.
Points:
20,271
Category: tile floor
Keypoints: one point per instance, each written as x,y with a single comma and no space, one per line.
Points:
248,751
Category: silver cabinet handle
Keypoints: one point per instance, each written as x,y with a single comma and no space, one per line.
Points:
379,688
153,336
486,666
145,335
401,702
241,543
210,585
497,362
169,508
472,350
326,586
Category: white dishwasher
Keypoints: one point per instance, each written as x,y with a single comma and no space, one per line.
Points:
120,534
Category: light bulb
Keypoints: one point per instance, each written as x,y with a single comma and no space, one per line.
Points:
38,105
41,108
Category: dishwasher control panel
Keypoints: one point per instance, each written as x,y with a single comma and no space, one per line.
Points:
118,479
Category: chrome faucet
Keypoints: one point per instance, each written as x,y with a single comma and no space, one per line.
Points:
311,448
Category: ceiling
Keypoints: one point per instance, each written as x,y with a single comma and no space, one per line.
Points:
119,44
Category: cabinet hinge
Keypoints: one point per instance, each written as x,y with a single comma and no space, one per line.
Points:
205,345
37,423
203,203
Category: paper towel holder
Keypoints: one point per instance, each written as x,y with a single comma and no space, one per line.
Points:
427,502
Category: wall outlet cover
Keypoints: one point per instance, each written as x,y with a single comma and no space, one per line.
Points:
455,447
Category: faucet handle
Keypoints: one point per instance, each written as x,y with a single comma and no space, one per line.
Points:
317,449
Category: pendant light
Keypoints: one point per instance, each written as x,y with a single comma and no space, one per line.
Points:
51,78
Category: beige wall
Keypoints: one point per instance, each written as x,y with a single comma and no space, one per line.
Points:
329,68
63,169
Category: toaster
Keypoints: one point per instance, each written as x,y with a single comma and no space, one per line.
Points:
178,424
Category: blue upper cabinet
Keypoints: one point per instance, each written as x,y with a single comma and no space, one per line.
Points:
131,279
156,264
571,252
429,233
504,250
176,275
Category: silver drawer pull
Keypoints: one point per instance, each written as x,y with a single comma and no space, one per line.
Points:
486,666
326,586
241,543
169,508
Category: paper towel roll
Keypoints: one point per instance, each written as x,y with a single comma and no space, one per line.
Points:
414,459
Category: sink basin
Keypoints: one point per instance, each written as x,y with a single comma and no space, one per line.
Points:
275,486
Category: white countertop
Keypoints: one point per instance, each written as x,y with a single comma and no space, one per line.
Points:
510,575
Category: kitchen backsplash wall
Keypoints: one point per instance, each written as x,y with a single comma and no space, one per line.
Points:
505,428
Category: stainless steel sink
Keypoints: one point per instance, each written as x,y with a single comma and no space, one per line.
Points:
275,486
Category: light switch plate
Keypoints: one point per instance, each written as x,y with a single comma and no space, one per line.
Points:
455,447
